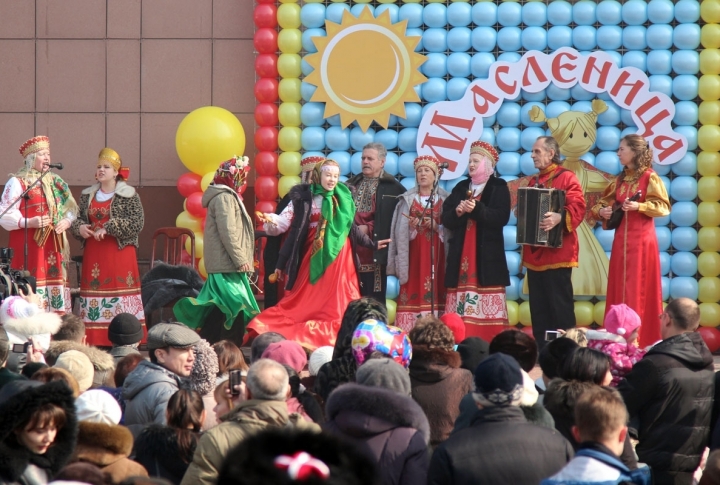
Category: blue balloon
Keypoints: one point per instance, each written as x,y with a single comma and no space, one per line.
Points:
416,32
313,138
636,59
559,12
306,39
512,58
413,115
684,286
684,214
534,38
312,15
626,114
484,14
457,87
579,93
664,237
559,36
508,139
488,134
435,65
686,62
393,287
540,96
683,188
356,162
583,12
512,221
661,170
529,136
514,290
391,164
556,108
666,183
406,139
605,238
525,114
608,138
609,12
305,67
450,184
527,167
665,281
661,83
393,9
333,12
337,138
686,166
510,238
659,61
509,114
512,259
509,14
509,163
634,12
307,91
685,87
686,113
690,134
389,138
357,9
534,14
459,39
459,14
406,164
664,263
358,138
683,263
687,11
609,36
686,36
634,37
480,64
684,238
434,89
584,37
392,119
312,114
408,182
484,39
659,36
509,39
611,116
435,39
458,63
413,13
343,159
660,11
435,15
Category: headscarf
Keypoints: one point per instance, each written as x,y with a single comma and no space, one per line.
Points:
232,173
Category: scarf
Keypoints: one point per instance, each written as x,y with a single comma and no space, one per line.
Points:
483,172
336,219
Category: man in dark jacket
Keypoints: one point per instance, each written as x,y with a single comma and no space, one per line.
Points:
375,193
500,446
670,393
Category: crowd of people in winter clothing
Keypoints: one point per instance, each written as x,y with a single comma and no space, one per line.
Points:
381,407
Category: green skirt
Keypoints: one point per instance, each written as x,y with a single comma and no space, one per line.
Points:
228,292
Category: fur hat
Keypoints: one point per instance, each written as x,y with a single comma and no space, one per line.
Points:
203,377
498,381
23,319
516,344
79,366
318,358
98,406
455,323
622,320
472,350
125,329
384,373
374,336
287,352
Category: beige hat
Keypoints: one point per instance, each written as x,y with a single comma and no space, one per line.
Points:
79,366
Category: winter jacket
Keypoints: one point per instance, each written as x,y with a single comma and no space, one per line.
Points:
108,447
158,451
534,414
102,362
491,214
438,384
248,418
594,464
16,461
147,390
229,239
670,393
399,249
391,426
332,374
126,215
500,447
623,356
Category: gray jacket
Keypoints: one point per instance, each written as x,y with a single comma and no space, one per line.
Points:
146,391
229,234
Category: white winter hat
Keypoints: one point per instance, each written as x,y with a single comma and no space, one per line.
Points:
318,358
98,406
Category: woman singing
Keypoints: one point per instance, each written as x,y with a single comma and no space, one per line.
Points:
316,260
109,221
411,233
51,210
634,277
476,273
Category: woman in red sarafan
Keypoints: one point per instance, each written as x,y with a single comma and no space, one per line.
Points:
634,277
109,221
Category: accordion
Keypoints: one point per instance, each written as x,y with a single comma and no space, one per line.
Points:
532,205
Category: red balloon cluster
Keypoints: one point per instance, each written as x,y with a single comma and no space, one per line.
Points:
711,336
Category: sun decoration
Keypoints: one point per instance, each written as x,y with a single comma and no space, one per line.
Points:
365,69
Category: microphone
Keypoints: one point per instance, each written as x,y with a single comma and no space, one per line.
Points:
443,165
58,166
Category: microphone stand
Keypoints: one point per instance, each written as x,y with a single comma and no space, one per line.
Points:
429,207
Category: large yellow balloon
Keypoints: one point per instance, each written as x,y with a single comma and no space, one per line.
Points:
289,114
709,263
513,312
201,268
584,312
289,163
289,65
708,164
710,11
709,289
290,41
599,313
207,180
709,314
391,309
524,314
710,61
709,238
290,139
709,189
289,90
286,183
709,87
288,16
207,137
709,137
198,245
710,36
186,220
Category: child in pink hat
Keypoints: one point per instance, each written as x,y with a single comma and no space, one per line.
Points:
619,341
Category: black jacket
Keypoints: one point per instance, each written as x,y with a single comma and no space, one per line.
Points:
491,213
385,201
388,425
157,449
500,447
670,393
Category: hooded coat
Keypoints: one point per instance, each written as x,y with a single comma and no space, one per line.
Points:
390,426
102,362
229,235
670,392
147,390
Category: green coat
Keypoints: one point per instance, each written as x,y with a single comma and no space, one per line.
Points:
229,239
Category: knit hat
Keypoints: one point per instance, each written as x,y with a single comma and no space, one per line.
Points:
472,350
498,381
97,406
171,334
516,344
455,323
203,377
287,352
79,366
384,373
621,320
320,357
371,335
125,329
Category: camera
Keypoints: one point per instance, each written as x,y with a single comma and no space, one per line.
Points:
13,281
551,335
20,348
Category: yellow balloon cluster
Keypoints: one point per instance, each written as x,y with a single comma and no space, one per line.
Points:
391,309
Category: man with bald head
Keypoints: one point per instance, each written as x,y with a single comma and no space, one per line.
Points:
670,395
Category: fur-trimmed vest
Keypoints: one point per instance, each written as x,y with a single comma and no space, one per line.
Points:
102,362
126,214
108,447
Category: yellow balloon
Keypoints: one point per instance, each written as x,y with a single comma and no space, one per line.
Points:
710,11
524,314
286,183
206,180
391,309
289,139
288,16
289,90
198,245
709,289
709,137
289,114
710,36
709,238
709,189
599,313
513,312
708,164
201,268
289,65
709,87
709,112
207,137
289,163
709,314
290,41
710,61
584,311
709,213
709,263
188,221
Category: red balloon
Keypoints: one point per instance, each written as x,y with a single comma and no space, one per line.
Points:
194,205
528,331
266,139
266,65
711,336
266,163
266,206
266,1
266,90
266,114
265,40
266,187
265,15
188,183
185,257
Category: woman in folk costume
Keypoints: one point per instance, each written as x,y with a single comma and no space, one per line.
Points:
229,242
411,232
476,272
635,277
51,209
109,221
316,260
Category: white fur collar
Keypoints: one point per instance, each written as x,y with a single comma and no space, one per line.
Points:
121,188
